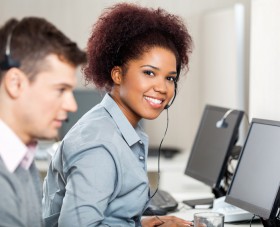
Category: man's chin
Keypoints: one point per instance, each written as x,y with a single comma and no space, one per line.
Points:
49,136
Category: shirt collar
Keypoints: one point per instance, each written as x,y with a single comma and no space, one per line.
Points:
129,133
13,151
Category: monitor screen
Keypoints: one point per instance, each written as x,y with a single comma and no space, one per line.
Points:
212,146
85,99
255,185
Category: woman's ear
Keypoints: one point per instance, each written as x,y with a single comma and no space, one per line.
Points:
116,74
13,82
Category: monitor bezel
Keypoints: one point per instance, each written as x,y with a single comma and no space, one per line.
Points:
215,185
259,211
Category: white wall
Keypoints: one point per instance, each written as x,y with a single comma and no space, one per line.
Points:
265,60
75,18
222,57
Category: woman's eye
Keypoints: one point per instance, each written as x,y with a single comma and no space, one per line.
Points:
149,73
171,78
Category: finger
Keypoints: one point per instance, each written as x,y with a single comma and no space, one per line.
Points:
151,221
174,224
175,219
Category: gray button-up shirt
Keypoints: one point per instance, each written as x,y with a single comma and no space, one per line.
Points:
98,176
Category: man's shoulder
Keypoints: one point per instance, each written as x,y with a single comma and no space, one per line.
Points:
8,181
10,194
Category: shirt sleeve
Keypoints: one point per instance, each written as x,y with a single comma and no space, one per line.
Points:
91,180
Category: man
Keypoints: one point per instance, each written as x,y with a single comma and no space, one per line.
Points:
37,77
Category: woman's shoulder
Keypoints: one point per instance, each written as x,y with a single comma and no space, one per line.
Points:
93,120
95,127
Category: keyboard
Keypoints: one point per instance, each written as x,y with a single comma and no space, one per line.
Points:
232,213
161,203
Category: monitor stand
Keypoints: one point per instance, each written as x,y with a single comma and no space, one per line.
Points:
219,192
203,202
270,222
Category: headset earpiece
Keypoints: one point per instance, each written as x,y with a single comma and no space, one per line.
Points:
8,61
175,93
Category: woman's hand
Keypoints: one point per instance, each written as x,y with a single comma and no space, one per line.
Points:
165,221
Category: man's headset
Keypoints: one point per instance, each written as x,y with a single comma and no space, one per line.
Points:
8,62
175,93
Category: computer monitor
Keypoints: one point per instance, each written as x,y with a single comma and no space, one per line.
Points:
86,99
212,146
256,181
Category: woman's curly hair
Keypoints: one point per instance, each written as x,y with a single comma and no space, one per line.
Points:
124,32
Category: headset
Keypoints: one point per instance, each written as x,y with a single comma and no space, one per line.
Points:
175,83
8,61
159,149
175,93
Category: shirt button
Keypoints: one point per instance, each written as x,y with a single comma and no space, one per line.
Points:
141,158
140,141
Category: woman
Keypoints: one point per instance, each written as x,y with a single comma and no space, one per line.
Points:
98,175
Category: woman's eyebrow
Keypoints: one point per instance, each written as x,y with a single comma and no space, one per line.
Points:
171,72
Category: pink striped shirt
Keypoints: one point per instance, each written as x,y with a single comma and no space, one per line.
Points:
13,151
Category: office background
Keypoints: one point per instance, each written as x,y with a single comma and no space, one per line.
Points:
235,61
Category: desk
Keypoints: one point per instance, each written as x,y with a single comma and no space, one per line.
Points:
173,179
182,187
188,215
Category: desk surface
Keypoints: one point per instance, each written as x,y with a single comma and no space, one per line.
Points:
173,179
183,187
188,215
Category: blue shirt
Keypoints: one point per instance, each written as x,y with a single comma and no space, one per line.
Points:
98,176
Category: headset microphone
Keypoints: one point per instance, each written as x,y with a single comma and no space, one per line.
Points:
8,61
222,123
175,93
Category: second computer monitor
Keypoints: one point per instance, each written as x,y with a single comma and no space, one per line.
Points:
255,185
212,146
86,99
